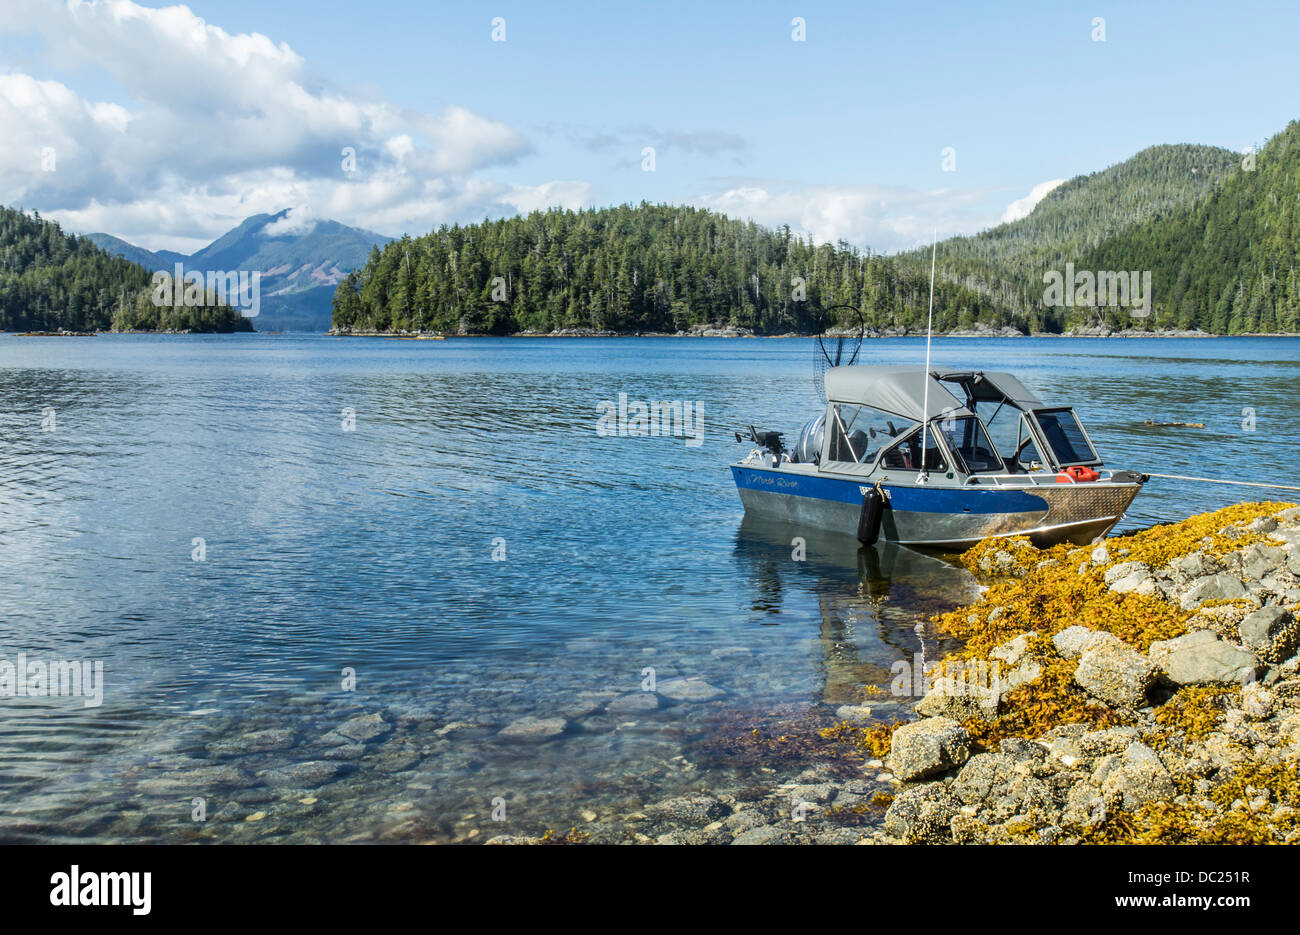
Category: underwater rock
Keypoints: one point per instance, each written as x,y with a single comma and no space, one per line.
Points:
363,728
307,775
689,690
767,834
259,741
633,703
534,729
690,809
853,713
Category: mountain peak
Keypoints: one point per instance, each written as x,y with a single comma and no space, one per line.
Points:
301,258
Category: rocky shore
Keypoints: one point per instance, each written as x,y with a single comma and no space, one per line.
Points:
979,330
1144,689
1147,689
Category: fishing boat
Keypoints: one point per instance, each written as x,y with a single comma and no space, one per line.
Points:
937,458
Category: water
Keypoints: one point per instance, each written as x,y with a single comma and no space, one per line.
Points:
371,551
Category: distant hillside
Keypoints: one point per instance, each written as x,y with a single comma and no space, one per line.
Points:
1007,262
163,259
52,281
645,268
301,262
1228,262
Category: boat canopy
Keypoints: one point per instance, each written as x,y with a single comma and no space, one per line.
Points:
993,387
898,390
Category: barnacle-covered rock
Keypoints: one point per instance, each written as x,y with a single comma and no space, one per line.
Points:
1073,642
1271,632
958,699
928,747
1115,673
1202,658
1137,776
922,814
1218,587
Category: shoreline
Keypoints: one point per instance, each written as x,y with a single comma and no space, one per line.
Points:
578,333
732,333
1148,690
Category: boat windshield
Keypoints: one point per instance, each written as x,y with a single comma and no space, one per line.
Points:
970,445
1014,437
858,432
1065,436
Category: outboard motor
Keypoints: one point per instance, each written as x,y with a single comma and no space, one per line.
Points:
808,448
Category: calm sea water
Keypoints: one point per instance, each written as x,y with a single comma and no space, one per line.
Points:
328,552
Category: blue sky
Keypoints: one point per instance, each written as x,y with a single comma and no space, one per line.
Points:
840,135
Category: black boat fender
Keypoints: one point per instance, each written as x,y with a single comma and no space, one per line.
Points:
873,511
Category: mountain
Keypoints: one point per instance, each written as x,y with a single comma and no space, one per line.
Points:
301,261
1227,263
1007,262
655,268
163,259
52,281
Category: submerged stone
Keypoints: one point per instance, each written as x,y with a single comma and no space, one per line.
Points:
534,728
689,690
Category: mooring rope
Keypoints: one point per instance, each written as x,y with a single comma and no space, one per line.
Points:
1215,480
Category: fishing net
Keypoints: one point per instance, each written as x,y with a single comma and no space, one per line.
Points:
838,342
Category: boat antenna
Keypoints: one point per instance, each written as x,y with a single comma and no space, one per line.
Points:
923,476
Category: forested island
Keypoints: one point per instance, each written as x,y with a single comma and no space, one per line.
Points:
1217,230
51,281
650,268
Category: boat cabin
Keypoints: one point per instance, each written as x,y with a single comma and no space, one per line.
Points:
980,424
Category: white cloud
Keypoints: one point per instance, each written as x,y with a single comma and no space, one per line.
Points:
1021,207
884,218
296,221
213,127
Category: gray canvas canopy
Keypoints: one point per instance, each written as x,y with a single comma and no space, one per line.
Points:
897,390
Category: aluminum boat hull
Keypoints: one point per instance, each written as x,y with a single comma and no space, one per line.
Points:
939,516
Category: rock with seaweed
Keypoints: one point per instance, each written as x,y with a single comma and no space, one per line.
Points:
1164,702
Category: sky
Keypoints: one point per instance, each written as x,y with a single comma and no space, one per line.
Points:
873,123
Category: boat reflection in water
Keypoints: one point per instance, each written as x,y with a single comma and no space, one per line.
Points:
874,604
